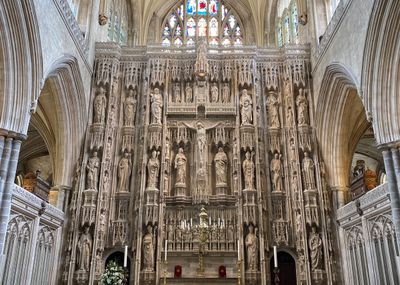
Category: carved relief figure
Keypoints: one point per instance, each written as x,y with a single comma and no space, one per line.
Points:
273,114
148,250
251,248
302,108
221,164
156,106
180,166
99,105
130,108
308,172
214,93
84,246
201,143
92,170
124,172
246,108
189,93
248,171
315,244
276,173
177,93
153,168
226,93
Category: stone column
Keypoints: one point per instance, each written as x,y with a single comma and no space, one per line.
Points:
59,196
392,167
10,144
339,196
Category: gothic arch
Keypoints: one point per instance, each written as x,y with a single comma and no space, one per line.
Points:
337,137
381,70
63,130
21,64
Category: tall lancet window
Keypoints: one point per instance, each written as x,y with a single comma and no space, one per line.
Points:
287,23
192,20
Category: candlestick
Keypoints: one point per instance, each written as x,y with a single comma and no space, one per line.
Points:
209,221
238,249
166,250
275,257
126,256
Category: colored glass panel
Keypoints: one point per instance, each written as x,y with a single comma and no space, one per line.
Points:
202,27
226,42
191,7
202,8
214,42
213,7
172,21
178,31
190,42
224,12
178,42
191,28
232,21
166,31
213,27
166,42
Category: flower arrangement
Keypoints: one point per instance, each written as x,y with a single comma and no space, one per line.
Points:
114,274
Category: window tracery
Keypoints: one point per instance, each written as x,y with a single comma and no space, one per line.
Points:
287,24
117,22
194,20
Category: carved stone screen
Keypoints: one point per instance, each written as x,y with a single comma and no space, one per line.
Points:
200,160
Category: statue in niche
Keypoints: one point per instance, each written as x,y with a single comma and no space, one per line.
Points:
289,116
302,108
153,168
177,93
201,66
189,93
92,170
201,143
156,106
100,104
248,171
251,248
170,232
315,244
124,172
130,108
226,93
180,166
286,87
148,250
308,172
167,152
276,173
230,232
214,93
273,113
221,165
246,108
292,149
84,246
298,229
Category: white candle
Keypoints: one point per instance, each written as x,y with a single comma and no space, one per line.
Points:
238,249
219,222
209,221
275,258
126,256
166,250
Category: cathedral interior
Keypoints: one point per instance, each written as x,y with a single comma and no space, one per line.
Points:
199,142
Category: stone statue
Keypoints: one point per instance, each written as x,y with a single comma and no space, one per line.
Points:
289,116
124,172
100,104
315,244
286,87
130,108
299,229
153,169
276,173
302,108
248,171
189,93
226,93
148,250
246,108
292,149
221,165
177,93
180,166
201,143
273,114
201,66
156,106
214,93
308,172
251,248
85,247
92,170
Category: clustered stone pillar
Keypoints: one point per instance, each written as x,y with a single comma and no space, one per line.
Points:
10,144
392,166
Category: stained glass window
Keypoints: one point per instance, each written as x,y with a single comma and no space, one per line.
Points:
117,23
210,19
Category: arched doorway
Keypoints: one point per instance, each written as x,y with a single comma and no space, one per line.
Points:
287,269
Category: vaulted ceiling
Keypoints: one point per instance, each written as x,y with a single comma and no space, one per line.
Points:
260,15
